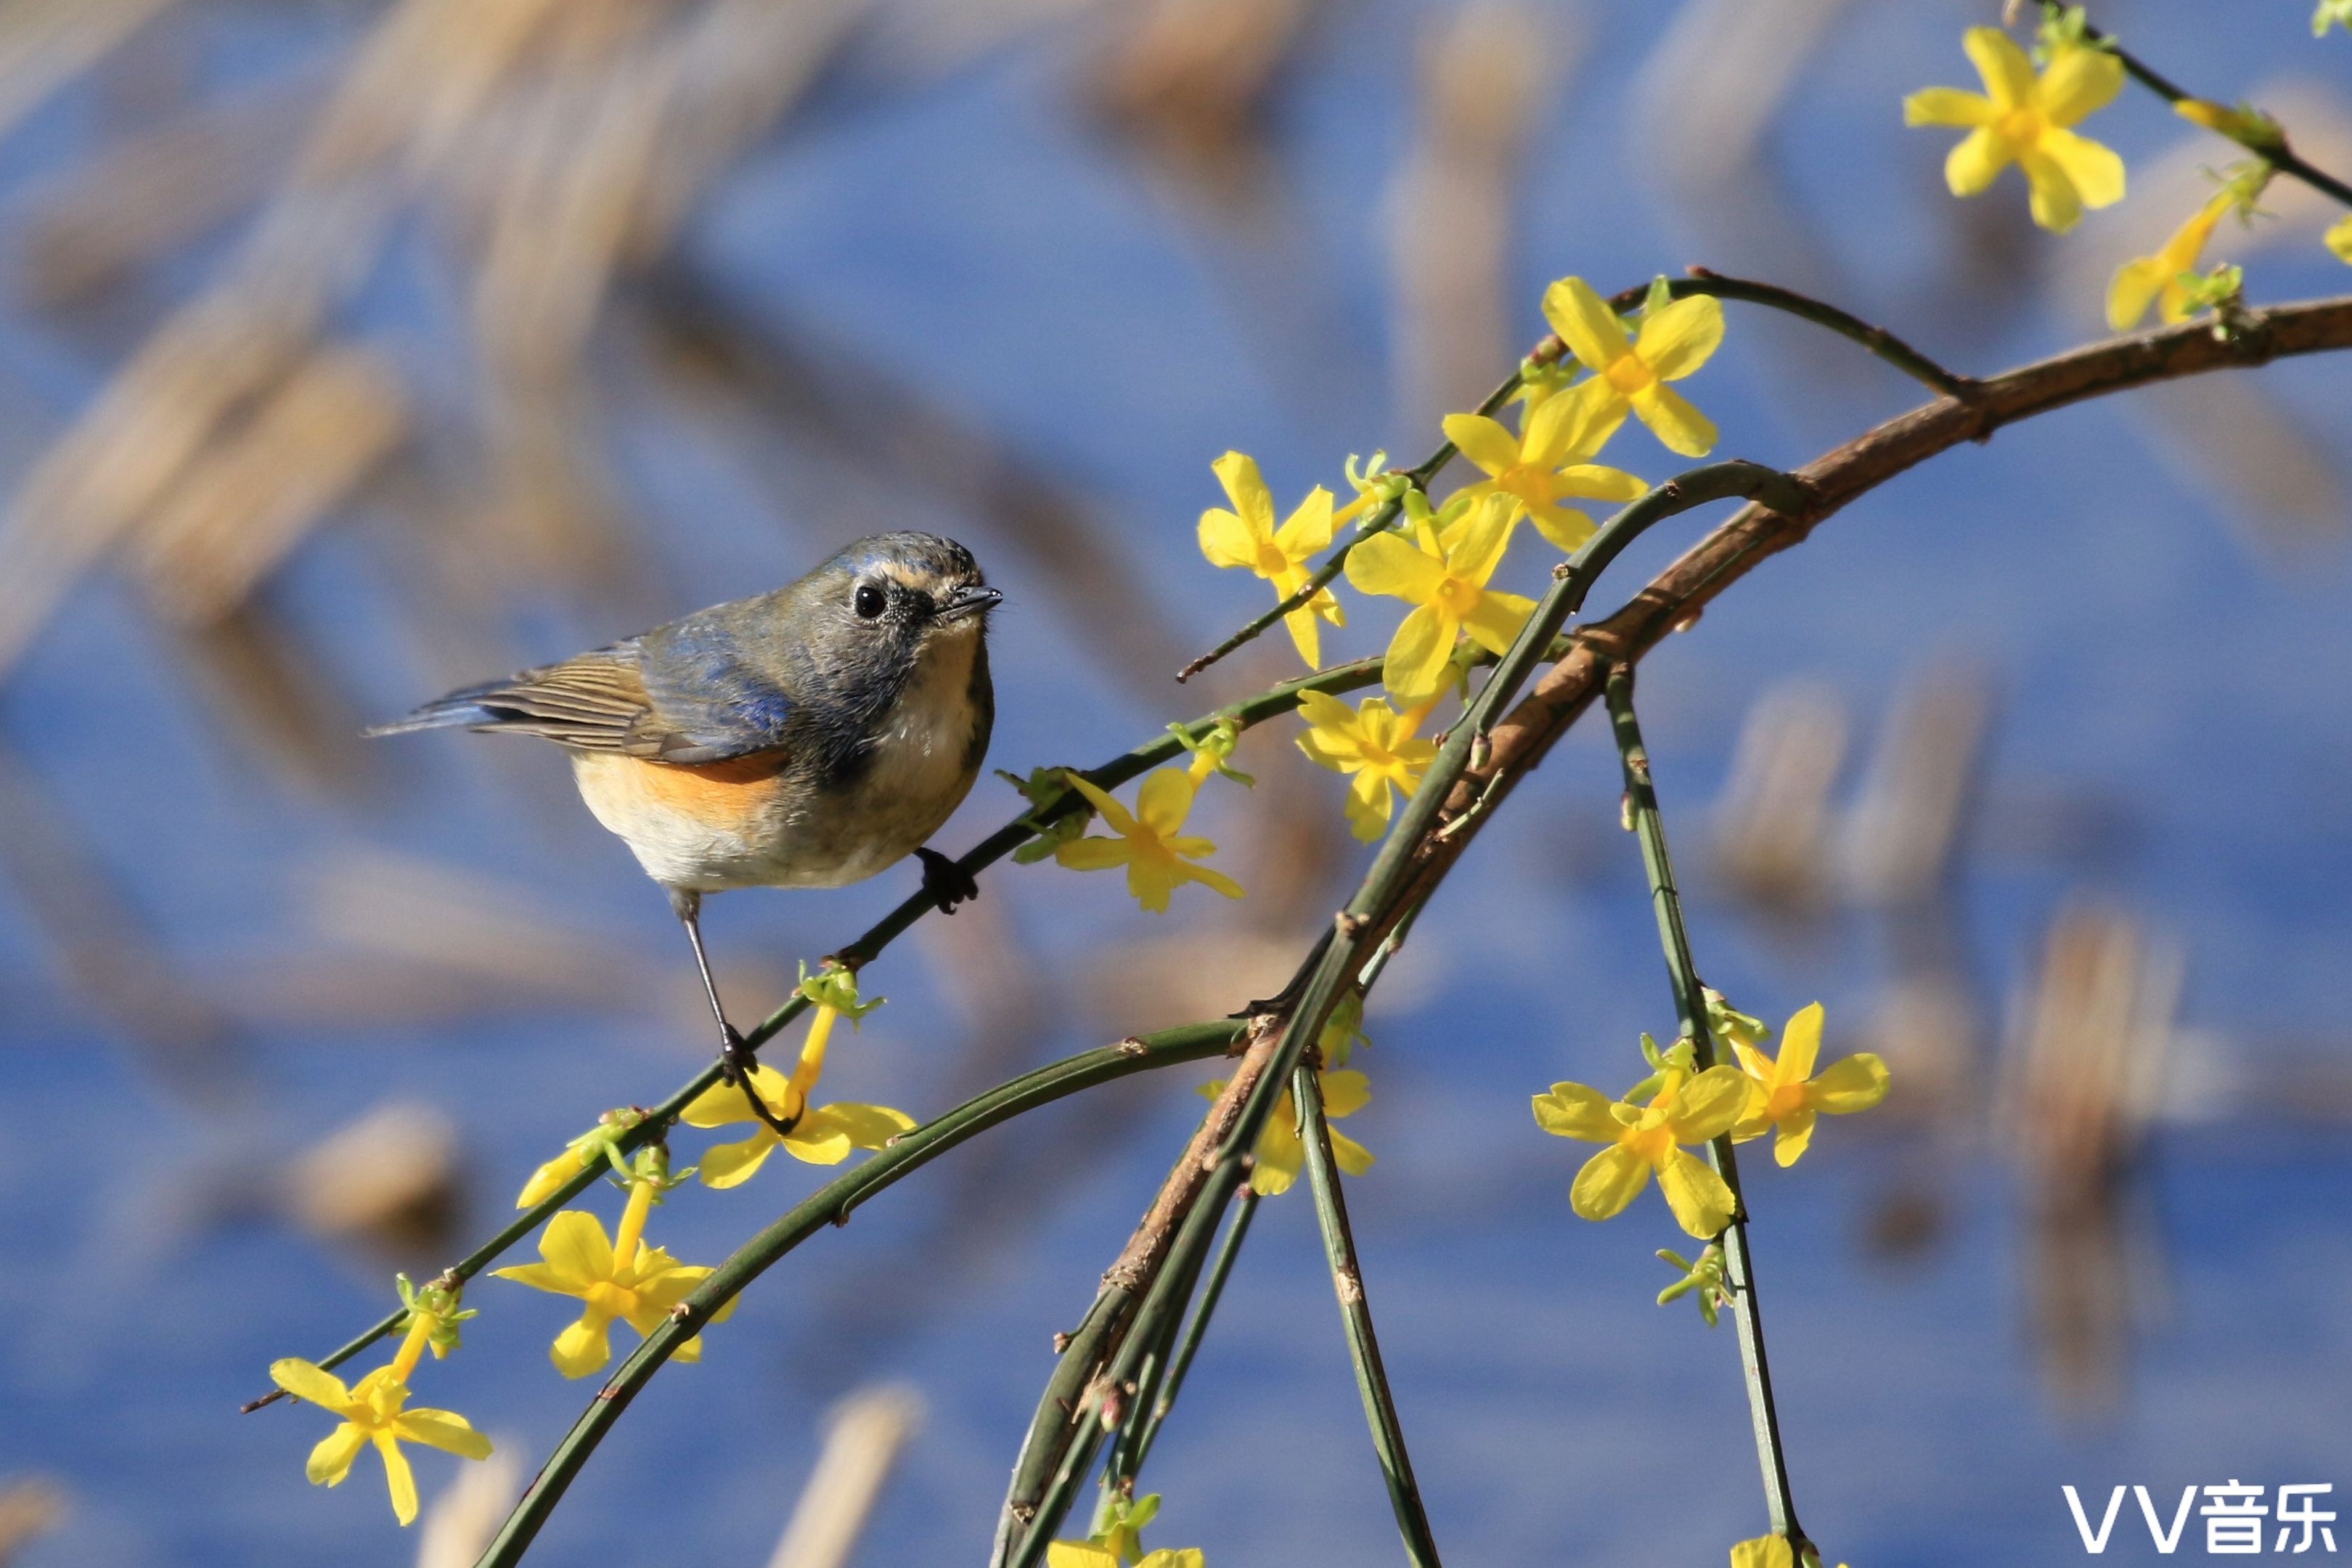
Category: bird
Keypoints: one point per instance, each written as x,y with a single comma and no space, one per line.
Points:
808,737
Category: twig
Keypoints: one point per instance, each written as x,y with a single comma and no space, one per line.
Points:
2271,148
1363,1344
1877,340
830,1205
1690,1006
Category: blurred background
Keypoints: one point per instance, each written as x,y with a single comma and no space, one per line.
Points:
352,351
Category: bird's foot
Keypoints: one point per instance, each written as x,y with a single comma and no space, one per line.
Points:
735,1064
945,880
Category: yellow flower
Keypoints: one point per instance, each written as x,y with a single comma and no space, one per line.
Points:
2022,119
622,1279
2157,277
1156,855
1628,373
1786,1096
1646,1138
1279,1154
1548,461
372,1414
1085,1554
1443,574
2339,241
1372,744
589,1148
1247,536
820,1135
1764,1551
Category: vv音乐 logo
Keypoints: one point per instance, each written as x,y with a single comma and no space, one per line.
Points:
2235,1518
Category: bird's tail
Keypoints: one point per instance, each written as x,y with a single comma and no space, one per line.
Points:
459,711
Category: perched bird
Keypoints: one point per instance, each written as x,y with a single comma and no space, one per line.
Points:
806,738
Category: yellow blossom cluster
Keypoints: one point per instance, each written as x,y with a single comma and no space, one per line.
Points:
1651,1130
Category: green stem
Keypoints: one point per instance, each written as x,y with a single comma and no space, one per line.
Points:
1690,1004
1245,714
1877,340
1196,1327
2277,155
830,1206
1363,1344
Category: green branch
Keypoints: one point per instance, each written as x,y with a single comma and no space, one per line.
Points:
1877,340
1196,1327
1363,1344
830,1206
1690,1006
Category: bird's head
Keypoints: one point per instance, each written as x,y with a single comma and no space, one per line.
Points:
894,602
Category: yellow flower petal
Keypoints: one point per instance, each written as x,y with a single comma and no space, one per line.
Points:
2338,240
1079,1554
1216,882
2008,73
1599,482
869,1126
1225,540
1976,161
574,1246
2095,171
1476,546
1165,800
585,1346
398,1476
1415,665
1584,322
732,1164
1850,1084
1678,426
2078,81
541,1276
1702,1203
1114,814
1345,1093
1496,619
1093,854
1564,527
1764,1551
2052,199
1610,1180
1307,531
2133,288
1353,1158
724,1102
1678,340
1577,1111
330,1460
443,1429
1484,441
815,1140
1796,1131
1386,564
1946,106
1303,634
1708,1104
305,1380
1246,487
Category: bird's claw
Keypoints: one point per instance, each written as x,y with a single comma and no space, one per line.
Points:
946,882
736,1063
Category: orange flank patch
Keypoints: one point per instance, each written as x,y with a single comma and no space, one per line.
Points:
730,796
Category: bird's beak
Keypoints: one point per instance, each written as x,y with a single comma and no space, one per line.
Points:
969,601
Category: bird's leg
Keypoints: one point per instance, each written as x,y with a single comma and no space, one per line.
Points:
946,880
735,1058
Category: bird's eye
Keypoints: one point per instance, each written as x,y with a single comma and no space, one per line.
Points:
867,601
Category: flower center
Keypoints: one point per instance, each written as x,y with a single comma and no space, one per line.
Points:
612,1300
1786,1100
1629,374
1456,597
2023,127
1271,560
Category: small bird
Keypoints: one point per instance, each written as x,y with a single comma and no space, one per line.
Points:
804,738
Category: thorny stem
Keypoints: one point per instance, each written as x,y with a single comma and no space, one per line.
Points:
1248,713
1363,1344
1196,1327
2277,155
830,1206
1690,1006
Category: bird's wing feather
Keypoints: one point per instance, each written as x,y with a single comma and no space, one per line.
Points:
672,696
